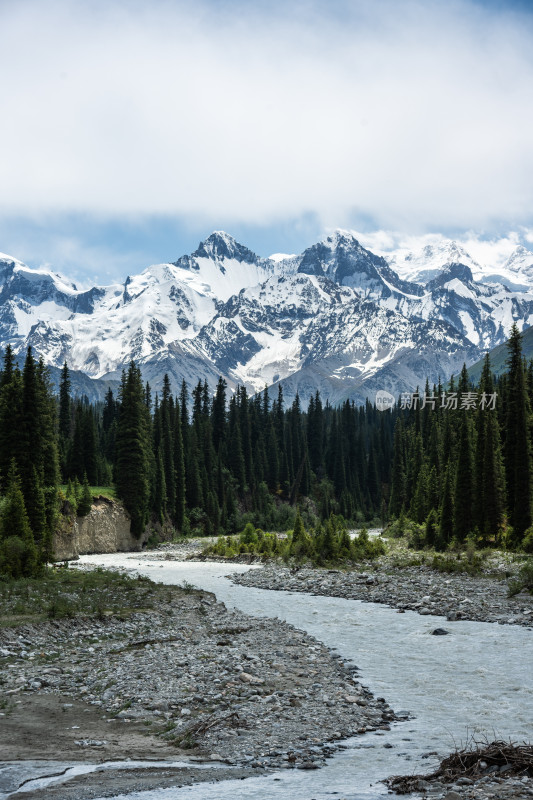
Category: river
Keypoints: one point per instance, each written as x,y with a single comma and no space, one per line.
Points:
477,681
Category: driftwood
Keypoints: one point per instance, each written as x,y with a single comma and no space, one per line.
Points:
472,763
201,726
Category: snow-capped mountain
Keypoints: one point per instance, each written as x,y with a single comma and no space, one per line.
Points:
421,266
337,317
516,273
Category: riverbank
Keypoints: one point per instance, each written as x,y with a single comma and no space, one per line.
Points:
185,678
417,588
401,579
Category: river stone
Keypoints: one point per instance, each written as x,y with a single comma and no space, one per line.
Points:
440,632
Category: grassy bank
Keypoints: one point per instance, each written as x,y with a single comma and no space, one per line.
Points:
68,593
96,491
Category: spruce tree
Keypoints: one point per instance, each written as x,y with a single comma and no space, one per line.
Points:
272,459
179,471
64,403
160,499
464,484
398,494
490,487
18,554
219,415
86,500
517,441
446,525
132,469
493,483
8,369
11,420
167,445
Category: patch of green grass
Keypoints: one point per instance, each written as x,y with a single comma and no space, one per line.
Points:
6,705
459,563
96,491
69,592
186,742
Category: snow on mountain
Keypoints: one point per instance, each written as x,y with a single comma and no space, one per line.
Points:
424,264
221,267
338,317
30,297
520,262
342,259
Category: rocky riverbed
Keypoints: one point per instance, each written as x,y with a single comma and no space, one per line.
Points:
416,588
494,785
188,678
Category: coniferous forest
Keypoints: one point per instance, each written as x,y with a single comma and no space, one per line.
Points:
447,465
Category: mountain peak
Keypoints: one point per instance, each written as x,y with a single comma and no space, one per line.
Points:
453,271
520,257
220,246
342,238
339,257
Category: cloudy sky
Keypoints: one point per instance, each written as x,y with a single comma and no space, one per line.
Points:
131,129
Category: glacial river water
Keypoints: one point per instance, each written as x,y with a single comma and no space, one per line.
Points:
476,681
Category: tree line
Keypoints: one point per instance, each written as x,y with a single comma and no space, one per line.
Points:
461,474
210,465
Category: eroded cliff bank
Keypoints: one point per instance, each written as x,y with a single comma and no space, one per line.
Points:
105,529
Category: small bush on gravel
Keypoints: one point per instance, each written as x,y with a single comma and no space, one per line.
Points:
524,579
466,563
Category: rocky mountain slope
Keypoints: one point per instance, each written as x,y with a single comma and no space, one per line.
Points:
337,317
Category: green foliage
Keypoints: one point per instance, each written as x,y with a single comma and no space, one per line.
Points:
527,541
458,563
17,557
18,554
328,544
363,548
403,527
133,453
219,467
65,593
524,580
86,499
248,536
517,441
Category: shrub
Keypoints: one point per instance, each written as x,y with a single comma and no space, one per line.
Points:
248,535
363,547
527,541
17,557
86,500
524,579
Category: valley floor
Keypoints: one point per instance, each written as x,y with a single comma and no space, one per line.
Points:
188,678
220,692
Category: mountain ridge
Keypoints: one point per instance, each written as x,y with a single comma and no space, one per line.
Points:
337,316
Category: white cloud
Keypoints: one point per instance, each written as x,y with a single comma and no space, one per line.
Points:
489,253
416,114
493,252
72,256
